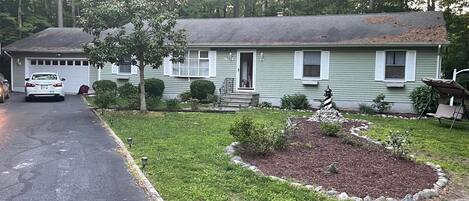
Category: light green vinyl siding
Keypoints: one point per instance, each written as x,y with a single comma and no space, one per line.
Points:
175,85
351,77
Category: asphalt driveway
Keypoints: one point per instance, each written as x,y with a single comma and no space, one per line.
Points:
58,151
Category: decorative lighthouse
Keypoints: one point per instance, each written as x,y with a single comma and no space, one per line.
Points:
327,113
328,100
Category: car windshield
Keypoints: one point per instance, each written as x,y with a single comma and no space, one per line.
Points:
44,77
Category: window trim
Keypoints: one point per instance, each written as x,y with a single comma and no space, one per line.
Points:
303,65
393,80
187,63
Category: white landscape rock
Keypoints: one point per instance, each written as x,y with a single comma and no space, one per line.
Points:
343,196
408,197
367,198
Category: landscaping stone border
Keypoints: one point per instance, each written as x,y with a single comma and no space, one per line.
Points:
138,175
421,195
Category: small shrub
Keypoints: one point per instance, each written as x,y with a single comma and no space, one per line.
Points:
127,91
332,168
365,109
265,104
211,98
257,138
185,96
105,99
200,89
351,140
154,87
154,103
330,129
420,97
104,85
127,103
194,104
296,101
399,141
380,105
172,104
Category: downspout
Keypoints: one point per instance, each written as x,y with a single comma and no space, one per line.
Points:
11,69
438,64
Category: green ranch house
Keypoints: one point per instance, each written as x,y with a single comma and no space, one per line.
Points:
358,56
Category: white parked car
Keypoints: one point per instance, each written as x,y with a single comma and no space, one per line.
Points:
44,84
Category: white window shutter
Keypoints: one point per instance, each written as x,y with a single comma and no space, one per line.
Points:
115,68
212,59
134,70
298,65
380,62
168,66
325,60
410,64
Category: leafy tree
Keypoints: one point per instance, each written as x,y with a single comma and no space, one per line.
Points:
142,29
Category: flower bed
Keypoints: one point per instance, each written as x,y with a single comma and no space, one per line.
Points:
366,169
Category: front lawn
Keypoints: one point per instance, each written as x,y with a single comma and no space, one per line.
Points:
187,160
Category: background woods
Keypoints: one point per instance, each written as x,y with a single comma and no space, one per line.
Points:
20,18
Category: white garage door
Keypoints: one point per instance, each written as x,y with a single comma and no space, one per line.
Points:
75,71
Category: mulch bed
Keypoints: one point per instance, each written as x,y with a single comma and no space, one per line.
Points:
366,170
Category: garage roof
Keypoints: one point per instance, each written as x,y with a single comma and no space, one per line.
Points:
400,29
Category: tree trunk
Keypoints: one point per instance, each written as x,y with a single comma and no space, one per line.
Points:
372,6
264,7
143,103
20,19
236,8
224,9
60,16
74,14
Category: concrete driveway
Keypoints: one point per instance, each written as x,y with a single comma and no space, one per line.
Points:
58,151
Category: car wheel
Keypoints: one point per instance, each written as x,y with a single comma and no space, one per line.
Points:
27,98
2,99
62,98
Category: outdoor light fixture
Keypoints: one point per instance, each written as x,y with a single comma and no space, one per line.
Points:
262,56
230,57
130,142
144,161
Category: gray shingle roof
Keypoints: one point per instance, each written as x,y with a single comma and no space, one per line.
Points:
412,28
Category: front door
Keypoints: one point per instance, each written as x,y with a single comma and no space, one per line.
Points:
246,69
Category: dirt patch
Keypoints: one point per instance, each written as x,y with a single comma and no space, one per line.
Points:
363,170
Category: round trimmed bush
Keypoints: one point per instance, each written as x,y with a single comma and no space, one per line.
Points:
420,97
104,85
200,89
154,87
127,91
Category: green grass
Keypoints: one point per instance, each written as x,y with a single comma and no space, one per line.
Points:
430,141
187,160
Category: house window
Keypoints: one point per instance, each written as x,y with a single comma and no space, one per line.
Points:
62,62
55,62
34,62
395,65
125,65
312,64
85,63
70,63
196,64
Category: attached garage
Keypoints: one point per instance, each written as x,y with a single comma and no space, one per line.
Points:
75,71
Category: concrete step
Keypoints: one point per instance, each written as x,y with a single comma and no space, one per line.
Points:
244,105
236,99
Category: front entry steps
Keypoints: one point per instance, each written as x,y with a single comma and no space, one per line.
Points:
240,99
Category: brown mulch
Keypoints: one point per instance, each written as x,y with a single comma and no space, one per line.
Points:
364,170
